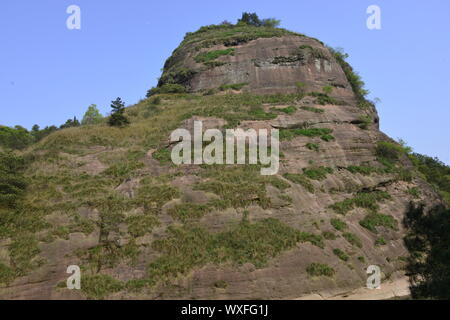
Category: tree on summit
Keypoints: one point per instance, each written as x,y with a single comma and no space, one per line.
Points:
117,118
252,19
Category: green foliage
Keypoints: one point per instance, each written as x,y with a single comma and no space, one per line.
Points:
428,264
167,88
15,138
352,239
70,123
186,211
209,56
319,173
301,180
117,117
312,109
328,235
435,172
287,110
300,87
374,220
352,77
414,191
234,86
252,19
100,286
341,254
367,200
364,122
319,269
92,116
12,182
6,274
380,241
22,252
289,134
327,89
361,259
338,224
389,150
312,146
324,99
191,246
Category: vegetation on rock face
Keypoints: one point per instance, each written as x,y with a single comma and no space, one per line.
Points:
320,269
367,200
301,180
353,78
374,220
192,246
338,224
319,173
341,254
352,239
323,133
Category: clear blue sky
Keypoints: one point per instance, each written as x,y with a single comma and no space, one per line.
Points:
49,73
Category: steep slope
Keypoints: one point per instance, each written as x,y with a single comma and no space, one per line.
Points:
110,200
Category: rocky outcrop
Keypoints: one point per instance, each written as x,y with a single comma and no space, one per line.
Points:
116,205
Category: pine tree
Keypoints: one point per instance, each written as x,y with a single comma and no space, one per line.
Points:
117,118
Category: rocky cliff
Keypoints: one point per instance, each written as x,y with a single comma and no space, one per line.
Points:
110,200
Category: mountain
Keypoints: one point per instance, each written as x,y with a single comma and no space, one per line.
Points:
110,200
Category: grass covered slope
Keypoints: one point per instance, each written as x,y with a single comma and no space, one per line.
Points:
110,200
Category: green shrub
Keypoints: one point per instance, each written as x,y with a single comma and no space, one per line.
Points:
338,224
288,134
312,146
324,99
287,110
380,241
367,200
320,269
188,211
352,239
6,274
414,191
319,173
209,56
100,286
12,181
312,109
301,180
341,254
328,235
233,86
374,220
15,138
327,89
389,150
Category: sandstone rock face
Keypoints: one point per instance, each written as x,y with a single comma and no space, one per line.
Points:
259,63
287,64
